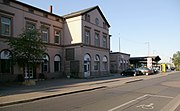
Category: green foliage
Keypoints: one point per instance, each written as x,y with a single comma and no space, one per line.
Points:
178,69
176,59
27,47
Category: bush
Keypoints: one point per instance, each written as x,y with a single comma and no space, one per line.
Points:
178,69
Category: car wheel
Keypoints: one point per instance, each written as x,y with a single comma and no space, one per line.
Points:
122,74
135,74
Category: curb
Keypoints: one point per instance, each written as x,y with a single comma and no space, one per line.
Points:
50,96
134,81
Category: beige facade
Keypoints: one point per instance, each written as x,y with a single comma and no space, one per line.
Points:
79,39
87,32
119,62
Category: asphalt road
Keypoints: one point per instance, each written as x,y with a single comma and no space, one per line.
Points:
147,95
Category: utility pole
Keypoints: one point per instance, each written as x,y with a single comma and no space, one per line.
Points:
148,48
119,43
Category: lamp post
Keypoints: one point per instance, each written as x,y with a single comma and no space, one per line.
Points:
119,43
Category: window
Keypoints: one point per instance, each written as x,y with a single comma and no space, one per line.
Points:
87,60
5,26
121,61
97,63
105,61
87,17
45,34
5,62
104,41
30,26
45,67
97,21
57,37
104,25
87,37
57,63
97,40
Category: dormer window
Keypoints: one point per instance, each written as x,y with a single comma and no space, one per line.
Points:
97,21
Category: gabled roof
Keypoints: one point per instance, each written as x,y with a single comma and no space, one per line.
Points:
82,12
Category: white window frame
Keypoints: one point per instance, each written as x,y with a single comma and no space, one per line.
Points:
45,31
87,37
33,25
97,39
46,63
57,35
4,24
104,41
97,63
57,60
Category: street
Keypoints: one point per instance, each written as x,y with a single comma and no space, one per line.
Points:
146,95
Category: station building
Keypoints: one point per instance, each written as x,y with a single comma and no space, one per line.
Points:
77,44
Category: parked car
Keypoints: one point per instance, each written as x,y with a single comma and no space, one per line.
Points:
131,72
145,70
173,68
155,69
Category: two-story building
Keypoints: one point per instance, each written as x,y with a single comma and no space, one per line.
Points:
86,42
77,43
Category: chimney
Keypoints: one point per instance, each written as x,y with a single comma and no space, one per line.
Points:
50,9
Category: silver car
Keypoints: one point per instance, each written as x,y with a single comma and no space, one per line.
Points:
145,70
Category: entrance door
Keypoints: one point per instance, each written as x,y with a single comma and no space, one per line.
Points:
28,74
86,68
87,61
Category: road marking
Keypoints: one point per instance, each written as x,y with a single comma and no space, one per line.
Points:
143,106
160,96
117,107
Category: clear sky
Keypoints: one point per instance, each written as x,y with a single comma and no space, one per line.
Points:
134,23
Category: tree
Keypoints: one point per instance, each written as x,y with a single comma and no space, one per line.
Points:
176,59
27,49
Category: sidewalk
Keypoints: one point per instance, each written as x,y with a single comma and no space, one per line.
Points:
58,87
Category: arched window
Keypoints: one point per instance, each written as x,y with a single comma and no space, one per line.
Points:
45,63
57,61
96,62
105,63
5,62
87,57
87,65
